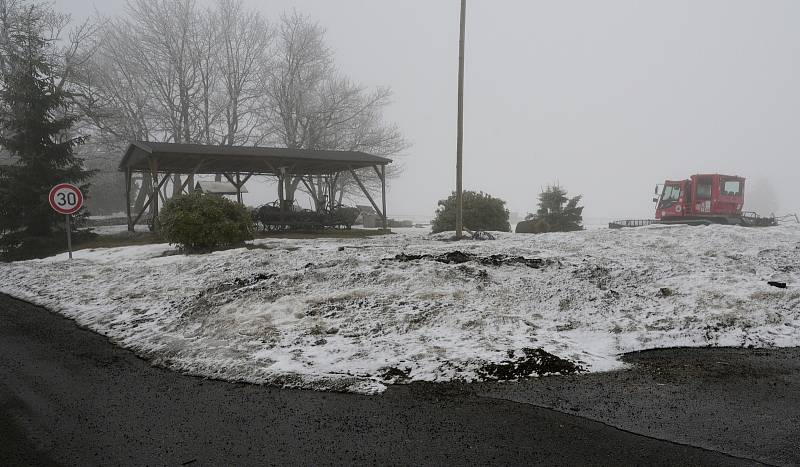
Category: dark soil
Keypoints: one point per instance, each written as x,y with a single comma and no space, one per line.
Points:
532,362
459,257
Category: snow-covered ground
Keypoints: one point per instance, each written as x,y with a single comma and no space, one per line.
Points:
338,313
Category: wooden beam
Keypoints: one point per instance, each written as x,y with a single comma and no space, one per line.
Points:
186,182
191,178
128,183
380,175
238,186
230,178
161,193
156,189
149,201
383,195
366,193
272,168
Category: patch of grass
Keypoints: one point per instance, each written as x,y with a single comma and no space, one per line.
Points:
118,240
41,247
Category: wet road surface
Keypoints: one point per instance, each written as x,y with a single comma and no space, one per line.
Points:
69,397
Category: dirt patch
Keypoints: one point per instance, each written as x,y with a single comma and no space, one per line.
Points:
532,362
459,257
393,375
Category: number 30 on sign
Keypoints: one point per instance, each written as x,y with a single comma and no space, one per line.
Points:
66,199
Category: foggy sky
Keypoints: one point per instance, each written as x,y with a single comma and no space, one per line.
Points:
607,98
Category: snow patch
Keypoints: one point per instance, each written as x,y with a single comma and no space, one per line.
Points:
311,314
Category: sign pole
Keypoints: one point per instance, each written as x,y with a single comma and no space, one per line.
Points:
69,235
66,199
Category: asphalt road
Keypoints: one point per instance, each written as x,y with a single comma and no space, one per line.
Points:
744,402
69,397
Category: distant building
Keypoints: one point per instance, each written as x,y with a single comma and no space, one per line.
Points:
367,217
217,188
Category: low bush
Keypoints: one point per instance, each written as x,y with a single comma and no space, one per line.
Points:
198,222
480,212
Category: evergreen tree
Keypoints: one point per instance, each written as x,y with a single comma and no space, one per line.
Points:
556,213
480,212
35,123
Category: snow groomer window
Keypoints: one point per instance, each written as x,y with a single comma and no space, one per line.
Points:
731,187
704,189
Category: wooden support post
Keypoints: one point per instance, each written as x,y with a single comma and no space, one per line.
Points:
186,183
156,191
128,183
149,201
166,178
238,185
383,196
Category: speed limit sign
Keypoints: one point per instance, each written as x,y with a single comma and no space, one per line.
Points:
66,198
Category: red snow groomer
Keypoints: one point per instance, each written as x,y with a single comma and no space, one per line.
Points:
703,199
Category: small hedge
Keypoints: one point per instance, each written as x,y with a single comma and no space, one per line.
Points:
198,222
480,212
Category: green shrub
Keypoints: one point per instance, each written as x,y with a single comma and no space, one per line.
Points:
198,222
480,212
556,213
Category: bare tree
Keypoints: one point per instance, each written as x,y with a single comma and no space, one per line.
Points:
312,107
244,39
173,71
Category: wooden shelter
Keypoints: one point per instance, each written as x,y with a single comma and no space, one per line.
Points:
238,163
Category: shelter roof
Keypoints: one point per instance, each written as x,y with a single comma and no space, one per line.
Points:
210,159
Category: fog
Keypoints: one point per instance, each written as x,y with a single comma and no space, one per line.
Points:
606,98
